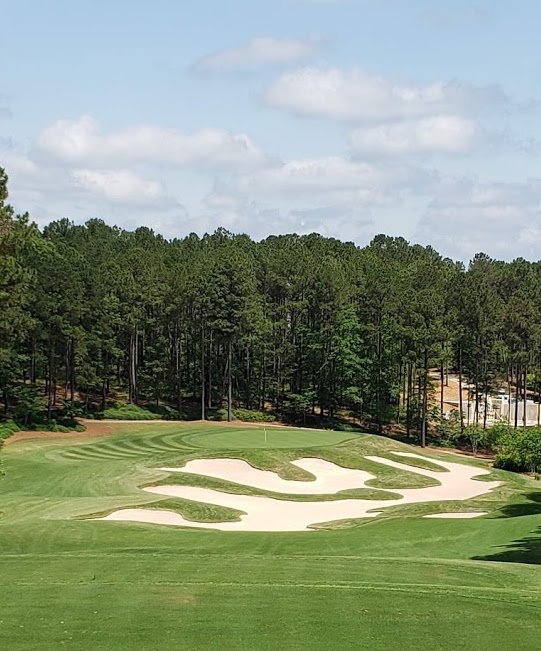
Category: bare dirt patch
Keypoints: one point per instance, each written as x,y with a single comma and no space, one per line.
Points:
94,428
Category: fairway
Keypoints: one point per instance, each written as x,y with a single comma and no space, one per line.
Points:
398,580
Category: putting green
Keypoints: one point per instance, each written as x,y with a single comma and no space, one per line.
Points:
270,438
402,581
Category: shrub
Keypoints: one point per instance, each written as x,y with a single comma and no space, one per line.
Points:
254,416
129,412
446,429
475,435
519,450
167,413
500,431
219,414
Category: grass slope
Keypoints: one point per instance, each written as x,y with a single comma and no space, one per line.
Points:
399,581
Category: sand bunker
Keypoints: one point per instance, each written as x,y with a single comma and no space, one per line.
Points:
328,477
268,514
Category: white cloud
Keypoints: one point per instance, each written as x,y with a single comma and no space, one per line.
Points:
18,164
333,175
332,195
122,186
82,142
443,133
356,96
467,216
262,218
259,51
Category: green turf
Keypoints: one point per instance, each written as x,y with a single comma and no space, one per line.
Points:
396,582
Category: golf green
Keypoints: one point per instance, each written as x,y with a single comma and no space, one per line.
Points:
396,581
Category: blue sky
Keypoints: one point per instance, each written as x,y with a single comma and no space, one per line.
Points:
348,117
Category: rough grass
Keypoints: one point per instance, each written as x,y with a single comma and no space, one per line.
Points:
398,581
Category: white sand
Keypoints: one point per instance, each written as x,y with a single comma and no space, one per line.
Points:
267,514
328,477
458,516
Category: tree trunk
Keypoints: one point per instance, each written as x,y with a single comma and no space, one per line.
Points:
50,392
476,412
133,367
229,387
248,380
104,379
399,394
538,404
524,412
72,371
209,368
509,376
67,368
516,395
425,400
442,380
460,401
378,387
408,403
202,373
33,361
178,371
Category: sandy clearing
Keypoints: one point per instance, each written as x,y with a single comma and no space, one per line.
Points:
268,514
328,477
94,429
458,516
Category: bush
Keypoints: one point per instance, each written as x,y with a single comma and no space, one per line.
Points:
446,429
167,413
254,416
500,433
509,461
129,412
7,428
345,427
219,414
519,450
475,435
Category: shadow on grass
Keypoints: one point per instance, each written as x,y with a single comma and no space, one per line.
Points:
524,550
532,506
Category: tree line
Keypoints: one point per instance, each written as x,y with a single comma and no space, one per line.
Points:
302,325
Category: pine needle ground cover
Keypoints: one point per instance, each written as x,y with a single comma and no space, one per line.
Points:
396,581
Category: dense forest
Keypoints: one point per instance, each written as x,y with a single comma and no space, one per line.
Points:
301,325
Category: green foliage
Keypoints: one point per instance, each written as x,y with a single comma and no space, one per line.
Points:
219,414
519,450
475,435
446,430
129,412
29,403
7,428
305,327
254,416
